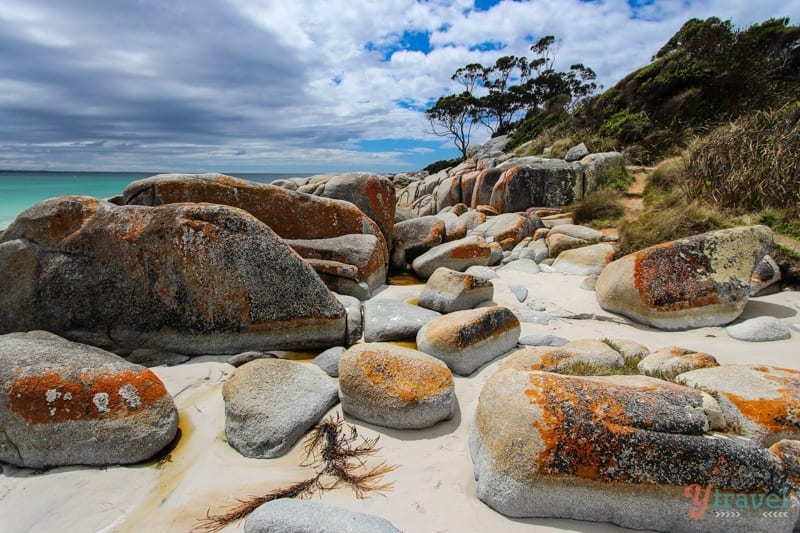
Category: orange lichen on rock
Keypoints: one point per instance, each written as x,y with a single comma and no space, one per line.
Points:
779,414
405,379
470,251
50,397
675,276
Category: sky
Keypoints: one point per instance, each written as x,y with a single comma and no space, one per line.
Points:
287,85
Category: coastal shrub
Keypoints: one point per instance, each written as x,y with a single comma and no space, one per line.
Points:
671,218
626,126
668,175
437,166
600,208
750,164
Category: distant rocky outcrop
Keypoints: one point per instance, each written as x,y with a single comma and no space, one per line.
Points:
509,184
64,403
694,282
188,278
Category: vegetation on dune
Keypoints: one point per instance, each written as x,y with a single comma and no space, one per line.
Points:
601,208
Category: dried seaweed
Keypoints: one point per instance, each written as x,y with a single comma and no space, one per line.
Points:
338,455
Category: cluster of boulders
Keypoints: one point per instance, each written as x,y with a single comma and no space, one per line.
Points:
184,265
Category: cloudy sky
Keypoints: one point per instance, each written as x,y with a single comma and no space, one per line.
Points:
286,85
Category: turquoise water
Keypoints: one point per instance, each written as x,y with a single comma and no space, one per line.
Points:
20,190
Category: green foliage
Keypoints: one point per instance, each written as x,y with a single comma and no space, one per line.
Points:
498,95
583,368
671,218
751,164
437,166
781,221
617,179
600,208
706,74
533,125
626,126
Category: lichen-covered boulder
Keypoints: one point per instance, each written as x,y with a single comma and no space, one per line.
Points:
290,214
630,450
374,195
761,402
414,237
188,278
449,290
395,387
584,261
457,255
286,515
588,353
354,265
534,181
507,229
271,403
466,340
694,282
668,362
64,403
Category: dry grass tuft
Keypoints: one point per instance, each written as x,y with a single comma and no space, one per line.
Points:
749,165
602,206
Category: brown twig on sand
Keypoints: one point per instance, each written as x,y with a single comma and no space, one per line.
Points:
337,453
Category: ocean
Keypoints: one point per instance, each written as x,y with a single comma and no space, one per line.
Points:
21,189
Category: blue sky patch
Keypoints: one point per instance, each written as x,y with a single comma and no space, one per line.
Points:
487,46
485,5
411,41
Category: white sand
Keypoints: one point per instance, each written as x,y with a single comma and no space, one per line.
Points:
434,489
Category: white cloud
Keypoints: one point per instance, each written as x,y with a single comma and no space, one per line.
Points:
276,83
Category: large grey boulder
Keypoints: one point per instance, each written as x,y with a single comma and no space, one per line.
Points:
189,278
271,403
694,282
64,403
392,320
306,516
630,450
759,402
449,290
395,387
466,340
535,181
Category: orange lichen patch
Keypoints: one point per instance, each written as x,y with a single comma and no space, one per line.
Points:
604,431
50,397
552,360
780,414
470,251
676,276
407,379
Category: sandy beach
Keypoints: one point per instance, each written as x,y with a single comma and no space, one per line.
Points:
434,488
